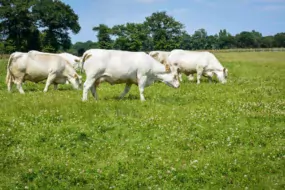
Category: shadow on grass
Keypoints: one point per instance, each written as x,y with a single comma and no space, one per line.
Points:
127,97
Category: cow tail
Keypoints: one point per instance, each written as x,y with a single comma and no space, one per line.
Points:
82,62
9,76
84,58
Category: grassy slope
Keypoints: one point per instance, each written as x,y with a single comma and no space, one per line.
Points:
208,136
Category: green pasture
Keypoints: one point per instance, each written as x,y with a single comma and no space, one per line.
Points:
207,136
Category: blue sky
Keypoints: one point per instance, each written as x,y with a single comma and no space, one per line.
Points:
265,16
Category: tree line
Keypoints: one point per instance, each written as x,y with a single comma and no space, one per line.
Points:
45,25
36,25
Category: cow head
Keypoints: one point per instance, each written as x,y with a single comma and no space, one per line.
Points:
75,80
222,75
169,79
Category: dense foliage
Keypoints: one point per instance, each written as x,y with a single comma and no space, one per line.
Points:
45,25
36,24
162,32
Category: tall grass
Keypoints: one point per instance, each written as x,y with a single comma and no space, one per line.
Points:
207,136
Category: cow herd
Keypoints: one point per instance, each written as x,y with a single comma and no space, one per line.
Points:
112,66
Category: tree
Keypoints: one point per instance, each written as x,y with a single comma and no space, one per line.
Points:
279,39
225,40
212,42
57,23
104,36
199,39
29,25
267,42
132,37
185,42
80,47
164,31
17,25
249,39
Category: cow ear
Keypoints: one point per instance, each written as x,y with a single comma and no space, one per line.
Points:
75,76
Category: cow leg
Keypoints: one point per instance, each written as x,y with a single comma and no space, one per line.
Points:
191,77
93,91
20,88
9,85
50,80
199,74
180,76
87,85
55,86
142,84
210,79
126,90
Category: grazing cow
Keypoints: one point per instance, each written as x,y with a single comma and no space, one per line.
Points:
115,67
162,57
74,60
36,66
202,63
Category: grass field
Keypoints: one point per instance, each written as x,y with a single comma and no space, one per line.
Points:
207,136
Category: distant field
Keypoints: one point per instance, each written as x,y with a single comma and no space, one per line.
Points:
207,136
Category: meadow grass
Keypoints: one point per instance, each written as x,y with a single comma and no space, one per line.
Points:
207,136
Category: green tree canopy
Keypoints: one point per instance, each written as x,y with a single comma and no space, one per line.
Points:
104,36
36,24
279,39
131,36
164,31
56,19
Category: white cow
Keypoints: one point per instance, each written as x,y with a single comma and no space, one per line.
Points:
37,66
74,60
202,63
162,57
115,67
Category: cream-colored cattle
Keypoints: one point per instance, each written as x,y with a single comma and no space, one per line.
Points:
36,66
202,63
74,60
162,57
115,67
